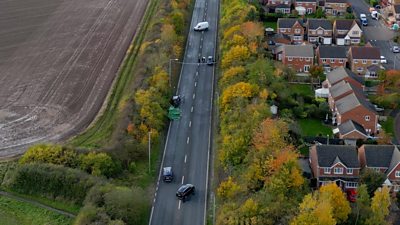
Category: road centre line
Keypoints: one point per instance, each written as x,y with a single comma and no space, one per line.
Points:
187,140
191,110
197,73
183,179
190,124
185,158
194,95
195,84
179,204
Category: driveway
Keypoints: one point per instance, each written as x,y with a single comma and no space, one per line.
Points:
378,34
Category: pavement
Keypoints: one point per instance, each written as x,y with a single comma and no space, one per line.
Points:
188,144
378,34
58,59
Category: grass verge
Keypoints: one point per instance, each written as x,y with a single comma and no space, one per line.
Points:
313,127
15,212
102,128
388,125
302,89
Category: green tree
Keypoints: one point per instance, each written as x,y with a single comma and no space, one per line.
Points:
260,72
362,204
98,164
178,21
319,13
372,179
379,207
316,71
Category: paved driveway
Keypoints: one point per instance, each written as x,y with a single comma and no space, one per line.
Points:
378,34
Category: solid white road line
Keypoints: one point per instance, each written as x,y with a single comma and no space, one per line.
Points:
179,204
183,179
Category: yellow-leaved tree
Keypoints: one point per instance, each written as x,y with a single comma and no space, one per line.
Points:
235,56
379,207
338,201
241,90
314,211
228,189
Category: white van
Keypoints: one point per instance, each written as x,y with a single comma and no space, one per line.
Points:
201,26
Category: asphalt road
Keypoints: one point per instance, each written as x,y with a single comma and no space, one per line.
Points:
378,34
58,59
188,143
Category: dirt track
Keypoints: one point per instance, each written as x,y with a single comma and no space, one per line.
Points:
58,59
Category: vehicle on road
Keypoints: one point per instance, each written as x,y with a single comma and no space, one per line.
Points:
185,191
175,101
383,59
364,20
395,49
375,15
210,60
201,26
168,175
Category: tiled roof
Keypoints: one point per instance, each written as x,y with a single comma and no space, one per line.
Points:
379,155
344,24
336,1
365,52
299,50
352,101
341,73
328,154
314,1
287,22
350,126
282,6
396,9
315,23
326,51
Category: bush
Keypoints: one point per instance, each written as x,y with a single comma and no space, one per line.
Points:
50,181
99,164
49,153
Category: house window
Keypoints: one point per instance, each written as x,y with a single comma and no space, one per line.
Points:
360,69
355,61
342,5
396,188
341,60
297,31
286,2
397,174
326,33
320,31
306,68
355,32
367,118
374,61
297,38
349,171
309,10
283,29
301,58
287,10
290,58
332,60
351,184
364,61
313,32
308,59
327,170
324,60
376,169
338,170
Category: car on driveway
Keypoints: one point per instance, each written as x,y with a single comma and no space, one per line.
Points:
185,191
168,176
383,60
395,49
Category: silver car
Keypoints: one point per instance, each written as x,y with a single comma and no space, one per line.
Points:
395,49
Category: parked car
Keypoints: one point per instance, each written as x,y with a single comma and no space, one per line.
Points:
383,60
185,191
364,20
375,15
210,60
395,49
168,175
352,195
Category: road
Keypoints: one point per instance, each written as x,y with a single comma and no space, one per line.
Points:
58,59
188,142
378,34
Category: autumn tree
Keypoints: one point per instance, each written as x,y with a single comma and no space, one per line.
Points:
337,199
362,204
314,211
316,71
98,164
235,56
240,91
379,207
232,75
49,153
168,34
228,189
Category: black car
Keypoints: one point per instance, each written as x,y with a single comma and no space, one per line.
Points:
168,176
185,191
175,101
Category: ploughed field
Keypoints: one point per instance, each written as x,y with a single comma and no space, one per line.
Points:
58,59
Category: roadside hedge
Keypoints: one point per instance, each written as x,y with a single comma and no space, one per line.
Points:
50,181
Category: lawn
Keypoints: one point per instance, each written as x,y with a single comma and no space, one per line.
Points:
270,24
388,125
302,89
15,212
313,127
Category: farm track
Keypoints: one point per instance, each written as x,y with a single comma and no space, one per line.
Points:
57,63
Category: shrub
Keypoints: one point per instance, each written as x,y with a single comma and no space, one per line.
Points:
49,153
99,164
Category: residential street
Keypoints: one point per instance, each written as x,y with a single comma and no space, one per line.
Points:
378,34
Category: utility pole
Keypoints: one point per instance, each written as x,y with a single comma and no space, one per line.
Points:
149,152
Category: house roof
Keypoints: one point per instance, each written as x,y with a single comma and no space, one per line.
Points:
396,9
282,6
341,73
328,155
313,24
352,101
379,155
336,1
326,51
395,159
288,22
350,126
299,50
343,87
365,52
314,1
343,24
373,68
281,38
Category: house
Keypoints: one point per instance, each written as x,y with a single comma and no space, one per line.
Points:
341,73
293,28
351,131
336,7
319,31
372,72
283,8
361,57
396,11
335,163
309,5
298,57
278,6
331,57
340,90
346,32
385,159
356,108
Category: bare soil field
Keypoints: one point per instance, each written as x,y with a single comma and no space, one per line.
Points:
58,59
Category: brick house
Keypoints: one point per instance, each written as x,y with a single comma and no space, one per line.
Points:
351,131
340,90
335,7
275,6
309,5
356,108
331,57
341,73
347,32
319,31
385,159
293,28
298,57
335,163
361,57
